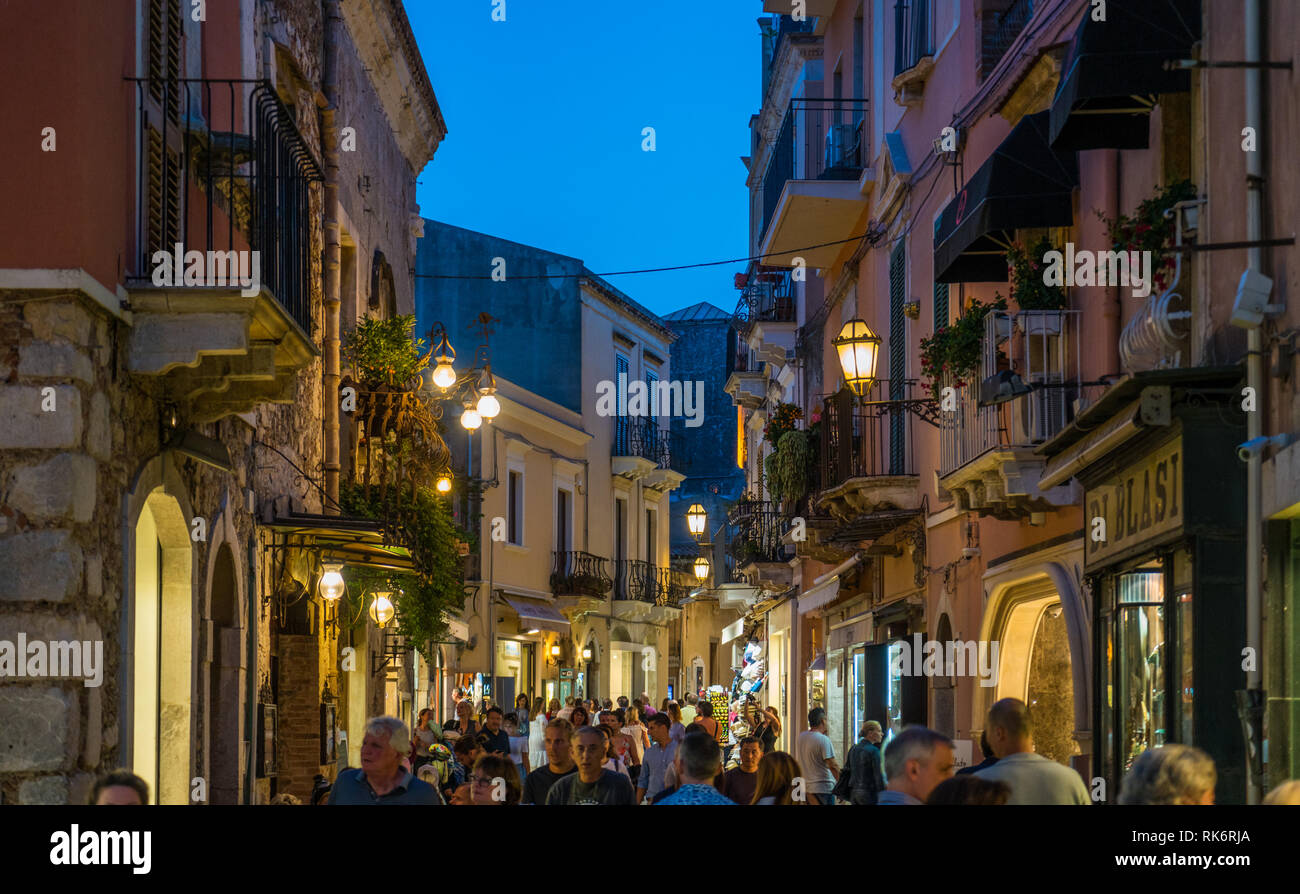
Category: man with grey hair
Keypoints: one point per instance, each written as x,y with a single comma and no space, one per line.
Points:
382,779
1032,778
1171,774
916,760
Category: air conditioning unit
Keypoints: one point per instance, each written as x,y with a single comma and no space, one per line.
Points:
1045,408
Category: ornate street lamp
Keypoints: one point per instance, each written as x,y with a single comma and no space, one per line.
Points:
443,484
470,419
859,350
696,519
488,406
444,374
701,568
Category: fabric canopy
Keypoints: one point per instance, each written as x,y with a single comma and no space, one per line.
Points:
538,614
1115,71
1024,183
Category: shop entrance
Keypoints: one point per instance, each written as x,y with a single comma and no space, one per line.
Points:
1034,665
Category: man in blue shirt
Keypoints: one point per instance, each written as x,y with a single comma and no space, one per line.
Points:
382,779
699,760
496,739
658,757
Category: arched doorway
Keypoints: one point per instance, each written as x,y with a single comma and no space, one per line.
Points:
161,634
225,681
1029,622
593,667
944,687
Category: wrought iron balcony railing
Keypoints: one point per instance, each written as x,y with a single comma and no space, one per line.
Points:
820,139
754,530
912,41
636,580
864,441
786,25
1003,33
580,573
223,168
768,297
641,436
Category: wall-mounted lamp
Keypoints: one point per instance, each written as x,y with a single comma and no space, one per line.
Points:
332,586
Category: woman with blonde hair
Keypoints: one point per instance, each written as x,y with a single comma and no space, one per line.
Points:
676,729
776,774
1286,793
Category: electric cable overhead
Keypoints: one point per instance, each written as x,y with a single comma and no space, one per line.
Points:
647,269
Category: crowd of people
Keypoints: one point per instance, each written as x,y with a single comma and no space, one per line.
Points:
631,753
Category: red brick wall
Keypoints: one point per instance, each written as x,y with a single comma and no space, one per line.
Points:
299,714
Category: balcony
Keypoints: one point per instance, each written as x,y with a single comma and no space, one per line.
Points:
577,573
755,545
785,26
987,455
913,50
1000,31
811,193
642,451
766,314
868,465
644,591
221,282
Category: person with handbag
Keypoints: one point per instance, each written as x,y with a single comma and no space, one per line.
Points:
862,780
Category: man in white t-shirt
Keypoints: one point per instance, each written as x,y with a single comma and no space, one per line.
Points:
816,757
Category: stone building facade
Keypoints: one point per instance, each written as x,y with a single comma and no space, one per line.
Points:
149,436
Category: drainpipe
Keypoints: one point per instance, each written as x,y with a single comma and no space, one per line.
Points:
1113,306
329,153
1254,24
250,681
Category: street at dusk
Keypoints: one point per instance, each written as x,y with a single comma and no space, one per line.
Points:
751,403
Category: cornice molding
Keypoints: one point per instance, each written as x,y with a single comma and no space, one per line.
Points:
386,46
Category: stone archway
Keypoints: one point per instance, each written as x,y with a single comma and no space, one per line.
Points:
944,691
225,681
1035,621
159,631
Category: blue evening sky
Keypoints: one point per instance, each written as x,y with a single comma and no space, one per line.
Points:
544,115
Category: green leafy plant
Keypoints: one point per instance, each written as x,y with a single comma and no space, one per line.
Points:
784,419
954,351
419,520
788,466
1147,229
384,352
1028,290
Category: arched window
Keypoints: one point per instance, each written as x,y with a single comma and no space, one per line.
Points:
383,295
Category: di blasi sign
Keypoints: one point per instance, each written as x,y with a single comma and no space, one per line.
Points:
1139,504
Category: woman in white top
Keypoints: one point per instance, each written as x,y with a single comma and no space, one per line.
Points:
635,729
518,744
537,735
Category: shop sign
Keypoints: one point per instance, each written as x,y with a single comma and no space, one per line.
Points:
1136,506
566,673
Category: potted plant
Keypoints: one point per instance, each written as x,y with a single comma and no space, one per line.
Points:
952,355
784,419
385,359
1147,229
1037,301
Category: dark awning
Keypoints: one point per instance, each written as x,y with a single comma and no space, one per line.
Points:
1115,71
1022,184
